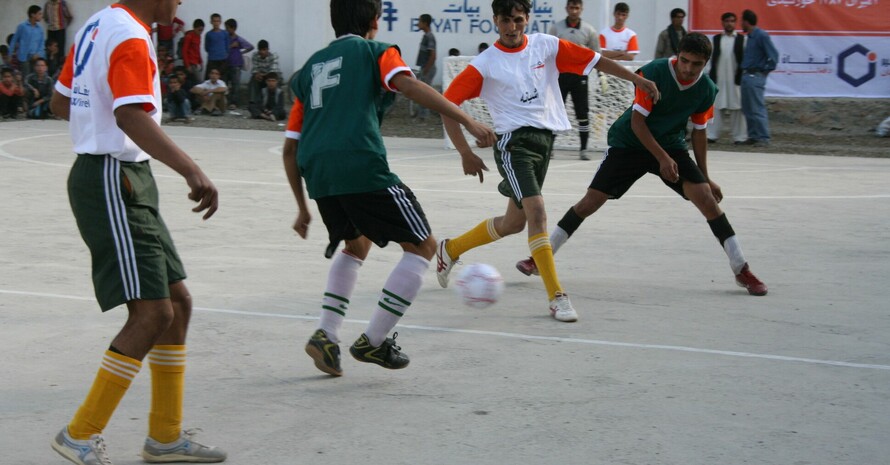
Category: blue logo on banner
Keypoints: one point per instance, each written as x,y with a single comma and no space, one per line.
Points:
852,54
389,14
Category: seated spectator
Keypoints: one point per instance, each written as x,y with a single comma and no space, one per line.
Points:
186,82
38,91
6,56
454,52
212,94
10,94
54,58
178,100
271,105
264,62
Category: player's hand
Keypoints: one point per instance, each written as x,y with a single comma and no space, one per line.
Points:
301,224
485,137
667,167
649,88
473,165
203,192
715,189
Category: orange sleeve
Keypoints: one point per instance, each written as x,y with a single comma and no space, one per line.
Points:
131,73
700,120
391,64
632,46
573,58
467,85
602,41
295,121
67,74
642,101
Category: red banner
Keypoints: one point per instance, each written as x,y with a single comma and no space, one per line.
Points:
863,18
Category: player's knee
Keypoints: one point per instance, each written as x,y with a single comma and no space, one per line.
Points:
426,249
511,226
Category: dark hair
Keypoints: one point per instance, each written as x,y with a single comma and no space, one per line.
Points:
697,44
198,23
216,15
453,52
214,69
483,46
232,23
272,75
505,7
750,17
425,18
4,49
33,10
180,68
677,12
173,78
574,2
622,7
51,41
263,44
6,70
728,15
354,16
39,59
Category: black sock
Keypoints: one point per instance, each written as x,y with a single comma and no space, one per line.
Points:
721,228
570,222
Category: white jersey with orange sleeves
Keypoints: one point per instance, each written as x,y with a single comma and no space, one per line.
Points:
624,40
112,63
521,85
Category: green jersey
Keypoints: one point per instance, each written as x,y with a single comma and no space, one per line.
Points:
666,119
343,95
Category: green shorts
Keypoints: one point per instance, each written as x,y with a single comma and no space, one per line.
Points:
522,157
115,205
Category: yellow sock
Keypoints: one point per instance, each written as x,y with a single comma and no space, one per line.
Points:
112,381
167,364
482,234
542,252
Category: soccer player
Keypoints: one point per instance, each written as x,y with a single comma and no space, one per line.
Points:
334,142
518,80
648,137
110,92
579,32
619,42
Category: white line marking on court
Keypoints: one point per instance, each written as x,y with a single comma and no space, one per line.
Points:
572,340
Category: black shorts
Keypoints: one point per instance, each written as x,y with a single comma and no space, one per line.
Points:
621,168
391,214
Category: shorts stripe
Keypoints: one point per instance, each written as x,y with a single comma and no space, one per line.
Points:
120,230
506,157
411,216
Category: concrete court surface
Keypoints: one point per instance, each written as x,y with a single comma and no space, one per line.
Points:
671,363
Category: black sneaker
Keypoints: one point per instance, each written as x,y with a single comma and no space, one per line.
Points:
386,355
325,353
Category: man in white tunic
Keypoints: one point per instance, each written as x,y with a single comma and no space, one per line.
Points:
729,48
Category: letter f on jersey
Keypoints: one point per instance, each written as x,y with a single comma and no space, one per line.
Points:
322,79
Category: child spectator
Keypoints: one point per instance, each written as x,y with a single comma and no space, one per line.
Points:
238,46
453,52
28,41
10,94
38,90
216,44
271,105
57,16
178,100
166,33
54,58
212,93
6,56
186,82
264,62
191,50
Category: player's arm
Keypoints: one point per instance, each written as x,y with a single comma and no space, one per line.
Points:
60,103
467,85
700,148
642,107
292,169
572,58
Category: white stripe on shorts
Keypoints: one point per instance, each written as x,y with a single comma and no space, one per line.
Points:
120,229
415,221
506,160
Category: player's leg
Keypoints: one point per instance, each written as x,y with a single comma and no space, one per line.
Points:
582,113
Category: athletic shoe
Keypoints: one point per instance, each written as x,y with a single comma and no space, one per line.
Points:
528,267
386,355
582,155
215,112
325,353
82,452
184,449
561,308
443,263
750,282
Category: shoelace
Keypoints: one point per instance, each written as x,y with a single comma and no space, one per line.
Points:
394,346
98,446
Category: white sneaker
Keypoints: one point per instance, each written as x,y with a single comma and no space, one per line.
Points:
184,449
443,263
82,452
561,308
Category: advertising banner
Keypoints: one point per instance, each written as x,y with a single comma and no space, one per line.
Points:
827,48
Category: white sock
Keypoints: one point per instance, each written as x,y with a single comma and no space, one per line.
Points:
558,238
399,291
734,251
341,282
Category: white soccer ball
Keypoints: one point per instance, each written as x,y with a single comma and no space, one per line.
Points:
479,285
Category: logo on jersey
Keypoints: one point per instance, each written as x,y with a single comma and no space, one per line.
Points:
82,54
529,96
322,79
538,65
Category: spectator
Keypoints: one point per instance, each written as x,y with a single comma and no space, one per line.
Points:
54,58
10,94
726,72
483,46
186,82
167,33
178,100
619,42
271,104
165,60
669,39
264,62
6,57
426,56
760,58
212,93
28,40
216,44
38,90
238,46
57,16
191,50
453,52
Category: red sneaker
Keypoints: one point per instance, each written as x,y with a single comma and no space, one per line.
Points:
750,282
527,267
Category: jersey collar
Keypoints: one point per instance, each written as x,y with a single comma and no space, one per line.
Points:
513,50
682,85
133,15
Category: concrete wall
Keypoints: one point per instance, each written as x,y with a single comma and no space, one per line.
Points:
296,28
